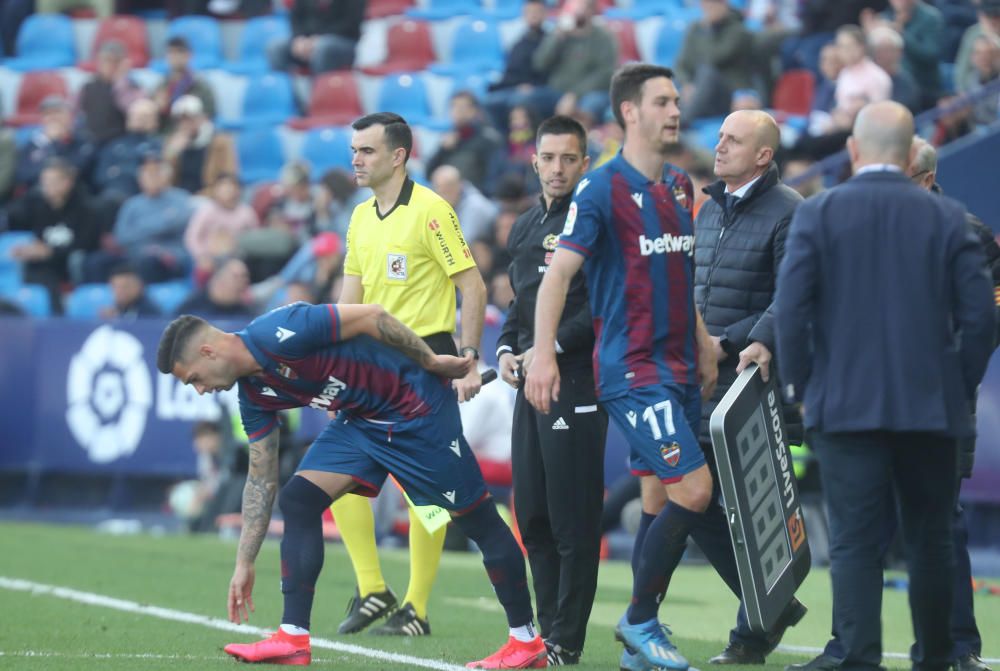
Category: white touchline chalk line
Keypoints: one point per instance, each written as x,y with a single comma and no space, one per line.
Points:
117,655
92,599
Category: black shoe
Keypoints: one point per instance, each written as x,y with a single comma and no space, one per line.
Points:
362,612
822,663
971,662
791,616
404,622
737,653
560,656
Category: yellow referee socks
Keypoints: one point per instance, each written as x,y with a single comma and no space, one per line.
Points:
356,523
425,558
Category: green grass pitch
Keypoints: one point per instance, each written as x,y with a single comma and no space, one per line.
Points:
191,574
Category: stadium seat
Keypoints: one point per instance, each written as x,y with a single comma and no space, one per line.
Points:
475,47
326,148
44,42
168,296
130,31
476,84
334,101
87,300
12,239
267,101
410,49
258,33
668,42
32,298
204,36
644,9
35,87
379,9
10,276
624,31
406,95
259,153
793,93
706,132
437,10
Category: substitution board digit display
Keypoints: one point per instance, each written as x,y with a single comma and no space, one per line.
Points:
760,495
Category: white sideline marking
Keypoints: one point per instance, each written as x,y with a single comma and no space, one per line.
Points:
92,599
115,655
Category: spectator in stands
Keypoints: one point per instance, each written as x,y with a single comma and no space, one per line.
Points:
226,294
777,16
316,266
579,58
337,194
986,68
922,28
860,77
129,299
798,165
989,24
181,81
116,170
197,152
103,100
101,8
716,59
149,229
520,75
886,46
216,225
296,200
59,213
820,21
324,35
8,160
55,138
520,143
472,146
475,211
830,65
12,15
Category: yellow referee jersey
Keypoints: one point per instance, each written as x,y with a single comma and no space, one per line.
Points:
406,258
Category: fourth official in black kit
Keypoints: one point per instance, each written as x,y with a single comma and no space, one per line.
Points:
558,458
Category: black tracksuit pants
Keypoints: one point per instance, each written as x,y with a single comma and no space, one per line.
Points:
558,467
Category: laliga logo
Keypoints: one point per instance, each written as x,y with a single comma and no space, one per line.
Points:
109,393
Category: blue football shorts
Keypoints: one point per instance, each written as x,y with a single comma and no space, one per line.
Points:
657,422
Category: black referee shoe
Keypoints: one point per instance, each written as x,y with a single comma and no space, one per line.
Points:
404,622
738,653
971,662
556,655
362,612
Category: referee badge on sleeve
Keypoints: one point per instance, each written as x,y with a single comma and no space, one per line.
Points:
395,266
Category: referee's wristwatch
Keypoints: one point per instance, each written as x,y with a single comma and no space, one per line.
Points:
469,348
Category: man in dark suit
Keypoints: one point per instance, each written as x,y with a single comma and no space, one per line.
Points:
885,403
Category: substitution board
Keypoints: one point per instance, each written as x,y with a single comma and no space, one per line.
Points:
760,496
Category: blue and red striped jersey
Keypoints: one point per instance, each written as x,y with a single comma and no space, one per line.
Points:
307,364
637,239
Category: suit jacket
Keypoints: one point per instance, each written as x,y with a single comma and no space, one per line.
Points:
883,309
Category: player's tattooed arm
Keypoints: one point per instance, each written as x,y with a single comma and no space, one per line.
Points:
395,334
258,496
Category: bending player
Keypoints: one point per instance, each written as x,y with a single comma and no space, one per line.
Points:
397,414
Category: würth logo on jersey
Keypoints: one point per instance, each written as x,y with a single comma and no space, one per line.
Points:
330,392
666,244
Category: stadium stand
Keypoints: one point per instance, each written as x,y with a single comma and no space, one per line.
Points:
203,35
44,42
257,33
259,153
87,300
437,10
409,49
129,31
32,298
35,87
169,295
335,101
267,100
624,32
326,148
475,48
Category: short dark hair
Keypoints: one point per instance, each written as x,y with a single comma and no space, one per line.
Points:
563,125
178,42
397,131
122,268
467,94
627,83
175,340
62,165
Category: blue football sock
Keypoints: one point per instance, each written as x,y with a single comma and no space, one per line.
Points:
302,504
662,550
640,538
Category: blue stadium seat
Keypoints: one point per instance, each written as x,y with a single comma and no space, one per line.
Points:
168,296
406,95
437,10
476,84
644,9
267,101
32,298
87,300
706,131
259,153
44,42
668,42
12,239
258,33
204,36
10,275
475,47
325,148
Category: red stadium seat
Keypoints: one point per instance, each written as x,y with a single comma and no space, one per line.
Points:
378,9
624,31
130,31
35,87
334,102
793,94
410,49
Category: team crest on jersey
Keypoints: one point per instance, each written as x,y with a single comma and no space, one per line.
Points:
681,196
286,372
671,453
570,219
396,267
